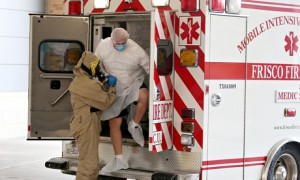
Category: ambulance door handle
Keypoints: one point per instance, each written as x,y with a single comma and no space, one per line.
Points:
43,76
54,102
216,99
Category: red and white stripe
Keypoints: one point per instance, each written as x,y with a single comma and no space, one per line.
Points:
271,6
189,84
233,163
164,28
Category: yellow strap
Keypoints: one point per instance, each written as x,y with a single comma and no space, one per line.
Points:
94,64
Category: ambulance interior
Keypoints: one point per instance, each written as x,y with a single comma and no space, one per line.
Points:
138,27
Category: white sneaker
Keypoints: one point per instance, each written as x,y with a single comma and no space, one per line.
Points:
115,165
137,133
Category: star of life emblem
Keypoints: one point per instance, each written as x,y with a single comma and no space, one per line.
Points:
189,30
291,43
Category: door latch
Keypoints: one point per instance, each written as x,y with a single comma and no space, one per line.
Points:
215,99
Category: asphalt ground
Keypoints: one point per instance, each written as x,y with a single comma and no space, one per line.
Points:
21,159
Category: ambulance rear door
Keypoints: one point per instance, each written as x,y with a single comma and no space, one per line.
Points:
56,45
161,80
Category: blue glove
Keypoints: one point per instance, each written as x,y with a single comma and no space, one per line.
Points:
111,80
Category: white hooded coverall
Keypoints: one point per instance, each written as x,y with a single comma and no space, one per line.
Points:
129,66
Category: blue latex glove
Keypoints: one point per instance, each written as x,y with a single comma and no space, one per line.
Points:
111,80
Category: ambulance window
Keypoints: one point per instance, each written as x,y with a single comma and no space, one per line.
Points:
164,57
59,56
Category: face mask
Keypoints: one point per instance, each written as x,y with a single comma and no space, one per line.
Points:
120,47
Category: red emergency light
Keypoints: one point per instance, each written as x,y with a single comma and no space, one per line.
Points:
217,5
75,7
189,5
289,112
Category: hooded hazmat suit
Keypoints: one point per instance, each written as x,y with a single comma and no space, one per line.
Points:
129,66
88,98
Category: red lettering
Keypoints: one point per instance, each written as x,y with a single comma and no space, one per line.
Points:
156,111
287,95
267,71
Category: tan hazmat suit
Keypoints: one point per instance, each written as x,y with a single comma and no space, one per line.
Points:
88,99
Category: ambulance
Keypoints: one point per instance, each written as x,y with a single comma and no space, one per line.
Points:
224,86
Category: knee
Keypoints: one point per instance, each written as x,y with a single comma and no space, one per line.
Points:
115,124
144,96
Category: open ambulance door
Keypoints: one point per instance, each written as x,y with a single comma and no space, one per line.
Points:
56,45
161,80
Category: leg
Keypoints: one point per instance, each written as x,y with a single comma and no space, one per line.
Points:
87,132
116,134
133,126
141,106
116,140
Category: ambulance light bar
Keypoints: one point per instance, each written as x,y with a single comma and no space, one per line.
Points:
189,57
75,7
156,3
187,140
187,127
233,6
189,5
101,4
217,5
230,6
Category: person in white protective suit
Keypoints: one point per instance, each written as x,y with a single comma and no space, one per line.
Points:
129,63
88,99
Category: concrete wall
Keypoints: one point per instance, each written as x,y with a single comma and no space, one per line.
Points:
14,50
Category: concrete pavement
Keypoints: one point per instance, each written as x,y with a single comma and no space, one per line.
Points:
25,160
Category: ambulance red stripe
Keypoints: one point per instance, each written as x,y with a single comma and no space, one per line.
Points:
270,3
189,81
255,71
170,85
164,24
158,83
225,70
169,125
269,8
237,160
179,105
159,128
233,163
176,140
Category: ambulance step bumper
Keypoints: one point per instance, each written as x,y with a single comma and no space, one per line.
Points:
57,163
149,175
71,164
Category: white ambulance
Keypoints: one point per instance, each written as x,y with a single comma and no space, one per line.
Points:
224,86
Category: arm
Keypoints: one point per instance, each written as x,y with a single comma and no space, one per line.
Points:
92,93
103,100
145,62
100,53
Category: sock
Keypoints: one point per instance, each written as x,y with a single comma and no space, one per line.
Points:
134,125
119,156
